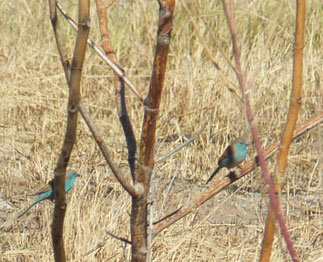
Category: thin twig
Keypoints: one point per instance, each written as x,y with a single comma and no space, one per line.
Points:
118,238
184,144
98,246
101,53
103,242
166,195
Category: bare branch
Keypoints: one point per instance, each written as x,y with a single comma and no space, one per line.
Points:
102,243
118,238
118,86
171,183
58,37
104,57
274,201
287,136
95,132
70,135
62,52
147,141
228,180
184,144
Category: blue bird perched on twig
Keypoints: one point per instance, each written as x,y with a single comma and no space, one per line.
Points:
232,156
47,192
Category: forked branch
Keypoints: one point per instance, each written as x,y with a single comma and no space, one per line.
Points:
90,123
97,137
119,86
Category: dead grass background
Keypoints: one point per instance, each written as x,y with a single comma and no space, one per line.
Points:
33,96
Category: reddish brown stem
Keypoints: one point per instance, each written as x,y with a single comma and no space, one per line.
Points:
147,142
274,201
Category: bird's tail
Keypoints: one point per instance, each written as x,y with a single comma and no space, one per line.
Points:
213,174
27,209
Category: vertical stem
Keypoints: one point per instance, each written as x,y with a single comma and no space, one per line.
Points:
70,134
287,137
250,117
147,142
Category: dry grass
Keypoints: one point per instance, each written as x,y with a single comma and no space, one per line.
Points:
227,228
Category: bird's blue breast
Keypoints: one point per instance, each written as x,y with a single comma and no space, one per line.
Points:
70,181
240,152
